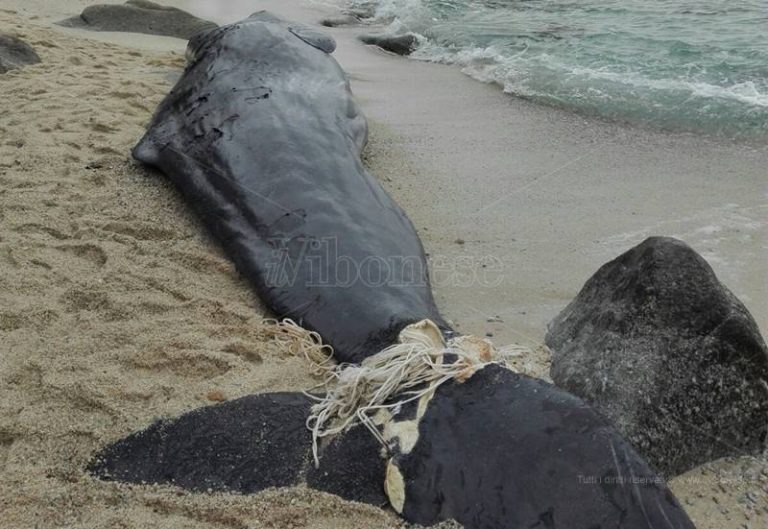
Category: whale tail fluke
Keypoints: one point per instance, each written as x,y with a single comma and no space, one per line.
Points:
245,446
221,447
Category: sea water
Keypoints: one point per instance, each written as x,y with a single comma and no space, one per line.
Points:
688,65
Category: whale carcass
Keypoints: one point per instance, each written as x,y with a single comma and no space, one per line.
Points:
263,138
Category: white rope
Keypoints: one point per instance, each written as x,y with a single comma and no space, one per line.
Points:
397,375
298,340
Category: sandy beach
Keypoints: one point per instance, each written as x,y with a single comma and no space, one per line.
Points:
117,309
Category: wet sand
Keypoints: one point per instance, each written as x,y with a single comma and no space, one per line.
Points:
117,309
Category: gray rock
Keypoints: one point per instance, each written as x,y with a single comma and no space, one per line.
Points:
344,20
401,44
15,53
668,353
140,16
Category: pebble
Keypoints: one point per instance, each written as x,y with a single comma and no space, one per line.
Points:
216,396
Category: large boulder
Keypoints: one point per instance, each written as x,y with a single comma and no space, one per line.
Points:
15,53
658,345
140,16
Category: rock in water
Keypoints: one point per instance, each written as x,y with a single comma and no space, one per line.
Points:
343,20
15,53
401,44
669,354
140,16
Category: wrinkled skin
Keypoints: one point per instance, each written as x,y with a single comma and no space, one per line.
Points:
263,137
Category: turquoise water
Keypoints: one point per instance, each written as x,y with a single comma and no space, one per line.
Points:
692,65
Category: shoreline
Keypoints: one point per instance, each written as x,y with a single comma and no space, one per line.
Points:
575,193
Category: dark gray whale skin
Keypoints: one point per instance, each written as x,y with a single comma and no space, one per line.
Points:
500,450
246,445
503,450
262,136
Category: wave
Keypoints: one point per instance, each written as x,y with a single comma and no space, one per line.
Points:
663,65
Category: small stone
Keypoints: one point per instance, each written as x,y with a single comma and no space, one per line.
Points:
459,241
401,44
344,20
216,396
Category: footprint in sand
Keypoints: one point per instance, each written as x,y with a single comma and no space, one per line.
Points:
31,229
73,145
244,351
79,299
6,443
89,252
141,231
45,44
98,126
122,95
37,319
178,359
102,149
204,263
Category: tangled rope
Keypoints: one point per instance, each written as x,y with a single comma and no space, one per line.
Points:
299,341
399,374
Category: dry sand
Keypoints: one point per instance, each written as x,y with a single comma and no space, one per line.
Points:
116,309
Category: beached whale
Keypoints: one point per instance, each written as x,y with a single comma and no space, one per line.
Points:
263,137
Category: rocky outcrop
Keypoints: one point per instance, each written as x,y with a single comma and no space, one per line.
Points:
15,53
668,353
140,16
400,44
